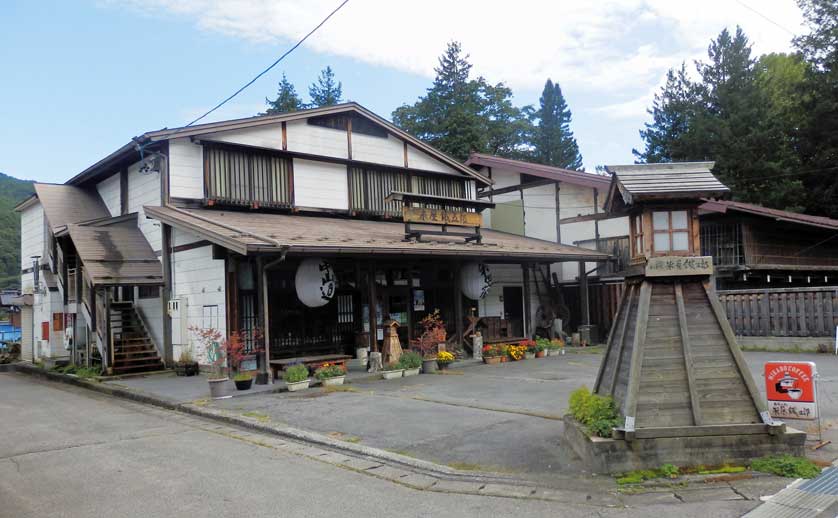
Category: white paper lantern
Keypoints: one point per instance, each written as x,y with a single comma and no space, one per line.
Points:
315,282
475,280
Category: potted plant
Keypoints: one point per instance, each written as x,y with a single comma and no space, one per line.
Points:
186,364
556,347
433,334
503,350
392,371
296,377
541,346
235,350
444,359
516,352
330,374
210,340
491,354
411,362
530,348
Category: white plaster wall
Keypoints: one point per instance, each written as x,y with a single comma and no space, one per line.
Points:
316,140
186,169
389,151
540,212
502,275
109,191
31,241
152,310
267,136
502,178
199,279
144,189
320,185
420,160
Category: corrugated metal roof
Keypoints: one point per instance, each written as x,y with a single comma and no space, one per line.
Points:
66,204
116,254
682,180
724,206
247,232
594,181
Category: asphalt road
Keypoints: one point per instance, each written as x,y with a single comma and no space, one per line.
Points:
68,452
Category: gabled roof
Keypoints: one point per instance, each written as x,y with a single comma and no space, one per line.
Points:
116,254
547,172
674,181
130,149
724,206
247,232
65,204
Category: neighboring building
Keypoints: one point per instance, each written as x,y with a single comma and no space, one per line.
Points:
207,226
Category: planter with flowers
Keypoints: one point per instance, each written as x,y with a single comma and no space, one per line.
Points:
516,352
556,347
296,377
411,362
209,340
330,374
428,344
542,346
492,354
529,349
392,371
444,359
235,348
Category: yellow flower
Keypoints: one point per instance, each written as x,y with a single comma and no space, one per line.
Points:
445,356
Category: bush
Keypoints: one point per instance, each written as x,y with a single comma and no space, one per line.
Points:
597,413
410,360
295,373
669,470
393,366
329,370
786,466
242,376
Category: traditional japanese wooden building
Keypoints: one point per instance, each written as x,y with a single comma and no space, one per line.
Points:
672,363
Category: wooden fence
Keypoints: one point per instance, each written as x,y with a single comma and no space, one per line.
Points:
782,312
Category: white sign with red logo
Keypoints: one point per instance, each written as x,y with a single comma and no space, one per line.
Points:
790,389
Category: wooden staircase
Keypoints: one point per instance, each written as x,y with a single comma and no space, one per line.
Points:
134,351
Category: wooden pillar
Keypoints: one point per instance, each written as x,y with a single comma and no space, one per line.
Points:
373,310
458,304
262,279
558,213
166,293
527,318
108,331
584,307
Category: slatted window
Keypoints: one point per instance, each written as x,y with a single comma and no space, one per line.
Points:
244,177
369,187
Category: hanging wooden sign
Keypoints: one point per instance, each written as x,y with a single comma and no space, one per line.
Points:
671,266
441,217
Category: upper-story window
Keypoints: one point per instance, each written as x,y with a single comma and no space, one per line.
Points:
341,122
671,230
246,177
637,234
368,187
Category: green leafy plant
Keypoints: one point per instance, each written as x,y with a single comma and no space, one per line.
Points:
669,470
786,466
637,476
87,372
295,373
393,366
329,370
598,413
410,360
242,376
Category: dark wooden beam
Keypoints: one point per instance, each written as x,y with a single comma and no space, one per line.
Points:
527,320
166,293
513,188
593,217
123,191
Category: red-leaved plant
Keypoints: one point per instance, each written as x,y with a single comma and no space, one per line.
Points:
433,334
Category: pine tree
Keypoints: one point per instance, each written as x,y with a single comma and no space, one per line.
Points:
286,100
325,92
553,141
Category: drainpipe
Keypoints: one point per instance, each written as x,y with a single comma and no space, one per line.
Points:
264,371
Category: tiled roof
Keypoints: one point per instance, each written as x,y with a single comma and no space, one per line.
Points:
247,232
676,180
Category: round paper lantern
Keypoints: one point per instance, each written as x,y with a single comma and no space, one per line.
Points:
475,280
315,282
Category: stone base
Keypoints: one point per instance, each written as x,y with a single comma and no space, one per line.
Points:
618,456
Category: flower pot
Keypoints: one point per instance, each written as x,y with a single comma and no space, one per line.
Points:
540,354
529,355
429,366
504,359
411,372
218,388
329,382
491,360
243,384
388,375
297,385
443,366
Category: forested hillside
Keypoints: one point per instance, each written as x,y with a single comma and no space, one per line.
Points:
12,191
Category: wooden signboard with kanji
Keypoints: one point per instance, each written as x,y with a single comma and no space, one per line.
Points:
441,217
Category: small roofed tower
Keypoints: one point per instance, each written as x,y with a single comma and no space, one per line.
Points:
672,363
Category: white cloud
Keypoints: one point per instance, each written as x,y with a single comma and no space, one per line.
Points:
596,45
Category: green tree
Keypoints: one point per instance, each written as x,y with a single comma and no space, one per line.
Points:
325,91
459,115
553,141
286,100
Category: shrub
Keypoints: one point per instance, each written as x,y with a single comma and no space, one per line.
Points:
329,370
393,366
242,376
410,360
669,470
597,413
786,466
295,373
87,372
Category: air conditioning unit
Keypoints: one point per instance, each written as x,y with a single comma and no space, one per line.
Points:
177,311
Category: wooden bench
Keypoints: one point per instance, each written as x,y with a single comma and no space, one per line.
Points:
312,362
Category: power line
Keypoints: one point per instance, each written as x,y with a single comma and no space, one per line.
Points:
769,20
275,63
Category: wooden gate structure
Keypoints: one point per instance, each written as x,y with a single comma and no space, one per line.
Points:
782,311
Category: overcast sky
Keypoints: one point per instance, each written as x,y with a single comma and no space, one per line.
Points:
80,79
